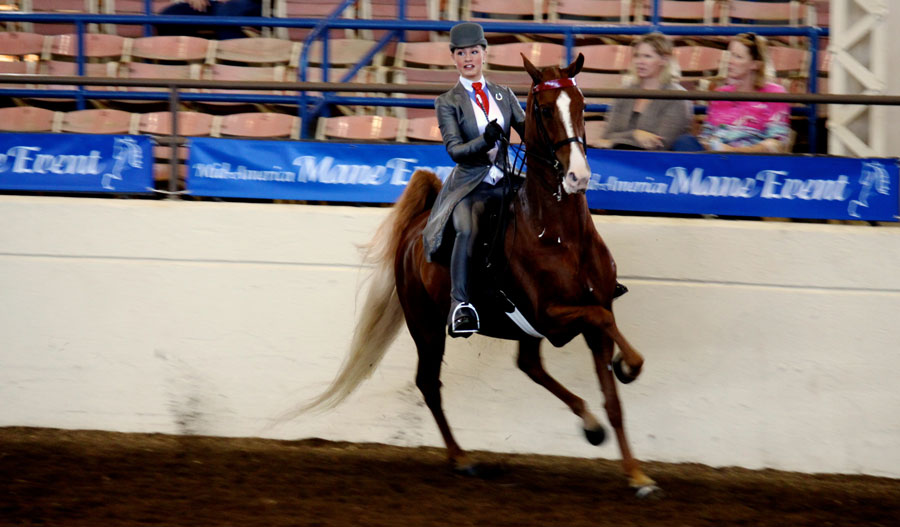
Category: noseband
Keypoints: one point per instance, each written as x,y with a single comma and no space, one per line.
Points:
552,160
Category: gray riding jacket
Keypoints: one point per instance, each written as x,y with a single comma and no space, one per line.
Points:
468,149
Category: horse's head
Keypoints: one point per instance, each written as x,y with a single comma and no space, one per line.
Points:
126,150
554,130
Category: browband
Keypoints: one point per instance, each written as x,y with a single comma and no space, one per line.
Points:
554,84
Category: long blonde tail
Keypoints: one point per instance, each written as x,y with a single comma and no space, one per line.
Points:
382,315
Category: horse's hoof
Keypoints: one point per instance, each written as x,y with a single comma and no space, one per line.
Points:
481,471
649,492
621,370
470,471
595,437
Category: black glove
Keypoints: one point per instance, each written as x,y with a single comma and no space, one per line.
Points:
492,133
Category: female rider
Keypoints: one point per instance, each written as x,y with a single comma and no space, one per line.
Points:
473,116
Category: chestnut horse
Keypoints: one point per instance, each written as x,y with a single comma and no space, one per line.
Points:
556,269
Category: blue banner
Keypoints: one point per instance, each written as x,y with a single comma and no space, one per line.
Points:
703,183
364,173
816,187
76,163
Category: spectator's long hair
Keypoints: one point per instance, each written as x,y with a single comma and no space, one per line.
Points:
663,47
759,50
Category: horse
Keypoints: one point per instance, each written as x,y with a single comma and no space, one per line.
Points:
558,272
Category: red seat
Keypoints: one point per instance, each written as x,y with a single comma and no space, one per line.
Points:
590,11
57,6
258,125
424,129
21,44
360,127
541,54
170,48
100,122
29,119
605,57
96,46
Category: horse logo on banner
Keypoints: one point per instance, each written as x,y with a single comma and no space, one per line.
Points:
873,176
126,153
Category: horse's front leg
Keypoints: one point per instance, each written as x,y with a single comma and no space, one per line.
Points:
602,349
600,318
529,361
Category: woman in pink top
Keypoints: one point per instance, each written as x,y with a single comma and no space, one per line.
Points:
745,126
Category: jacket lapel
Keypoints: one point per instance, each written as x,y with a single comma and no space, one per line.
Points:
503,104
469,123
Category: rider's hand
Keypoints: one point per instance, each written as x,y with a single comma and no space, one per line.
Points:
199,5
492,132
648,140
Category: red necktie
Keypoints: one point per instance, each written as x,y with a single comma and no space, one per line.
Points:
482,98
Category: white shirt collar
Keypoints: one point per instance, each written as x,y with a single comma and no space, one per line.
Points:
467,84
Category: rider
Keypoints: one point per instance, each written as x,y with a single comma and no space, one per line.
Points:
473,116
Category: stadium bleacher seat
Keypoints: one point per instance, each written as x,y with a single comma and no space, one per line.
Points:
257,125
130,7
57,6
360,127
605,57
29,119
258,51
100,121
589,11
227,72
310,9
423,129
706,12
171,49
786,12
541,54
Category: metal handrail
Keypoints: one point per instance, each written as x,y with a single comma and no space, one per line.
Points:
411,89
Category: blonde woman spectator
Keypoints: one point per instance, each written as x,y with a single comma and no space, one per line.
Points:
646,124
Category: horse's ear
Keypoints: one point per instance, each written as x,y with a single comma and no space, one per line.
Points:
575,67
532,70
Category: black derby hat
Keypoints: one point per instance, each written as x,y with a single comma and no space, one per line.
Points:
466,35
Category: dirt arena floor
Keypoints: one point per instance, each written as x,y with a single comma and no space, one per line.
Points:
99,479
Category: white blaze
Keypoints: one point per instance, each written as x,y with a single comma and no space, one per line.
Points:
578,175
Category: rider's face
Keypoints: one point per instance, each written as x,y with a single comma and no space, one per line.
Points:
469,62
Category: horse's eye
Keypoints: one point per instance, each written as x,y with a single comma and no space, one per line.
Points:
547,111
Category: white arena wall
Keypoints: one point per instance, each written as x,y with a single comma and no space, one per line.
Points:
767,344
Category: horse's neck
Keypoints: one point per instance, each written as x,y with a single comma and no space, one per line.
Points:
545,206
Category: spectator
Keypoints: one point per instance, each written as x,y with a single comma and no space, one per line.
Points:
219,8
744,126
645,124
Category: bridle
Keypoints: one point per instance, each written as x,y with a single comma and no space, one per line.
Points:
551,159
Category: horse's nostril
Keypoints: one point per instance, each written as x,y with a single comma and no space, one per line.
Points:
573,177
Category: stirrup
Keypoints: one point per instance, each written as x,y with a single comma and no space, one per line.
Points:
454,329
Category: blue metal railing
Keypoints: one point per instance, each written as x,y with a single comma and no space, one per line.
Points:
321,27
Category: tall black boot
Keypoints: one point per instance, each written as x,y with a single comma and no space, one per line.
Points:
463,319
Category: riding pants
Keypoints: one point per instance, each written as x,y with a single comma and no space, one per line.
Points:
466,218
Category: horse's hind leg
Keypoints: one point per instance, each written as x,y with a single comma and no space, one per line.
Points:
601,346
529,361
429,338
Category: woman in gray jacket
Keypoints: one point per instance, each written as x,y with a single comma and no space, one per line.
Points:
474,115
646,124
